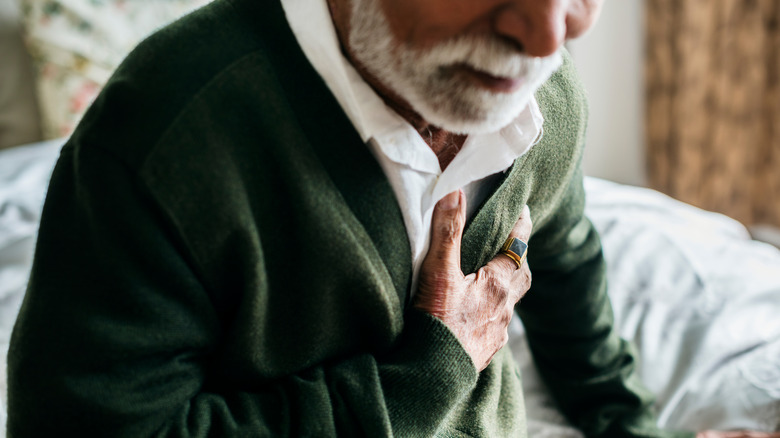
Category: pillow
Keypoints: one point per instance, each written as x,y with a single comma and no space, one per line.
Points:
19,120
76,45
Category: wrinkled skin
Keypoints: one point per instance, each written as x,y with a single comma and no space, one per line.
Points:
476,307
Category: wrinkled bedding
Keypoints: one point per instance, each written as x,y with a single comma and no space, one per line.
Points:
700,300
24,173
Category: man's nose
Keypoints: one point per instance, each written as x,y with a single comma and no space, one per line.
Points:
537,26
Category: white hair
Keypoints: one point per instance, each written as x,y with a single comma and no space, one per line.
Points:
429,81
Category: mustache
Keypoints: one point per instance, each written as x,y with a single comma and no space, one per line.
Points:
486,53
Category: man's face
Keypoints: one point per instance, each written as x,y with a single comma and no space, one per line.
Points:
467,66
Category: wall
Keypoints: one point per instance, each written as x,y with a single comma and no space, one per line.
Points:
610,60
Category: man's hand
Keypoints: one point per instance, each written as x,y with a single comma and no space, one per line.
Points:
737,434
478,307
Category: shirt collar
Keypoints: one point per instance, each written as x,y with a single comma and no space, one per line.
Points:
311,22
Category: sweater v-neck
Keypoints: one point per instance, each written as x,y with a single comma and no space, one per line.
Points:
348,160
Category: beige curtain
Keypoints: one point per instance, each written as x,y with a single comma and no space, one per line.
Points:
713,96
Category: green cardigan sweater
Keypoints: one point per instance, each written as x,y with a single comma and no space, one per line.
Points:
220,255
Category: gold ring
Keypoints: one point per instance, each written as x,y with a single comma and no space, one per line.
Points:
516,250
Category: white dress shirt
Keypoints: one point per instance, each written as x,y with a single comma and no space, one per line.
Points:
409,163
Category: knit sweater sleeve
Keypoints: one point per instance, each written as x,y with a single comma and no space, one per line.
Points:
568,318
117,337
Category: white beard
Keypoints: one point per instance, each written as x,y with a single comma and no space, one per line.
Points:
429,80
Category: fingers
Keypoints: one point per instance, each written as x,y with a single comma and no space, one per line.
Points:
523,226
477,308
502,263
440,275
449,218
514,280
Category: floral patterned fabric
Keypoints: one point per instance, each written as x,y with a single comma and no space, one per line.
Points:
76,45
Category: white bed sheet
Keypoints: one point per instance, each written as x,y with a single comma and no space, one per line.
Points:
701,302
24,173
697,296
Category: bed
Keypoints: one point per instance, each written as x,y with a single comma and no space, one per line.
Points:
696,295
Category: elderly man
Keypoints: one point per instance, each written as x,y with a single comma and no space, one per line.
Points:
310,219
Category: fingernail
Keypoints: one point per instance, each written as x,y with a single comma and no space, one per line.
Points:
451,201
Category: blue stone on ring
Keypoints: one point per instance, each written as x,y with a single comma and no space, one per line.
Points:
516,250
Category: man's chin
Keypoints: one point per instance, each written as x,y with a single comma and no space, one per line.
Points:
484,117
475,127
467,101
